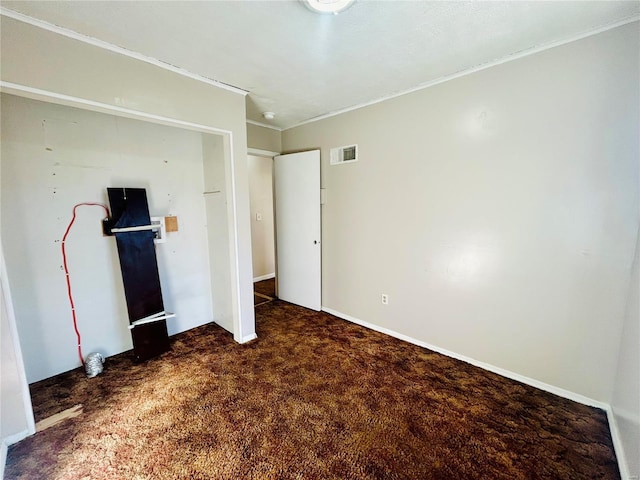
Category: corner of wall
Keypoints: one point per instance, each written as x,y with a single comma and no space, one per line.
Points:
263,138
624,414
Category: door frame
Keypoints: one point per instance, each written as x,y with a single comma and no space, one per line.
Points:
256,152
240,311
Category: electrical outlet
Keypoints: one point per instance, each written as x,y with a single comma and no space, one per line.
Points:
385,299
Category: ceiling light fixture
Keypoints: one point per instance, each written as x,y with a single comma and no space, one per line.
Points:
269,115
328,6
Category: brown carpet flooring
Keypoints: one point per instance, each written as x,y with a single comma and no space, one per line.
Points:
314,397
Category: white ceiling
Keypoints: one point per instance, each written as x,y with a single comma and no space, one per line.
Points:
302,65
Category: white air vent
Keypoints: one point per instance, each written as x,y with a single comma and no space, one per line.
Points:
340,155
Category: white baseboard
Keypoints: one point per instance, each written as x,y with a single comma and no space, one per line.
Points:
248,338
561,392
576,397
15,438
264,277
618,445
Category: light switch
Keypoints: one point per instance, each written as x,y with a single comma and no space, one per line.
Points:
258,217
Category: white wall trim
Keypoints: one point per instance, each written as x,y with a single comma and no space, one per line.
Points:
618,446
613,426
238,334
58,98
22,374
478,68
62,99
11,439
261,153
4,447
114,48
248,338
561,392
264,277
265,125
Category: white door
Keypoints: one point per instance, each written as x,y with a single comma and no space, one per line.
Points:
297,205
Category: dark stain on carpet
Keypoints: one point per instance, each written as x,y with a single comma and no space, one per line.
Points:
314,397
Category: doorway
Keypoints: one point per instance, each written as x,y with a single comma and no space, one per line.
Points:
262,228
284,193
85,152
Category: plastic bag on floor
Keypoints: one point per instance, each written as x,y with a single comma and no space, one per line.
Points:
93,364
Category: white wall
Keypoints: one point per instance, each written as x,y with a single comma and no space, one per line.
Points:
263,138
498,211
215,199
14,420
54,157
261,203
72,72
626,395
16,414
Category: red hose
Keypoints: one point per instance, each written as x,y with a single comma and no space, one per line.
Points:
66,272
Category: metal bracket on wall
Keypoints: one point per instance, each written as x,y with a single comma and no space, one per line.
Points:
157,226
139,228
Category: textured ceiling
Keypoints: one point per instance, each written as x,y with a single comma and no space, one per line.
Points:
301,65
